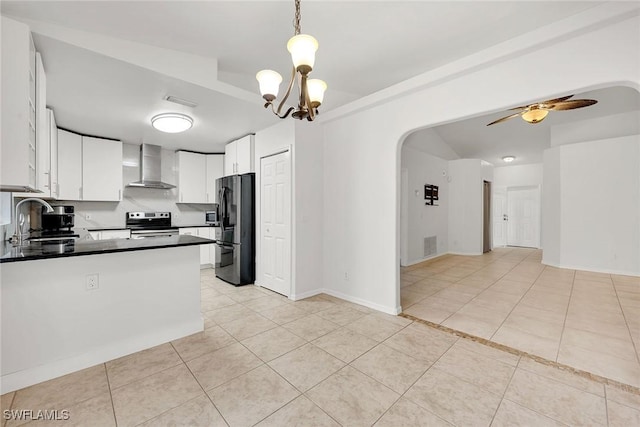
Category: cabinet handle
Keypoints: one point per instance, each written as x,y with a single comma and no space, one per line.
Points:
80,192
119,194
181,197
48,185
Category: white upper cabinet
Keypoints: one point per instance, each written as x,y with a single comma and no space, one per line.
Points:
43,145
88,168
101,169
69,166
18,136
53,143
192,169
238,156
215,170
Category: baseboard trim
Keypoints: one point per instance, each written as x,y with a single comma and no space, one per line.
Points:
465,253
591,269
21,379
303,295
425,259
378,307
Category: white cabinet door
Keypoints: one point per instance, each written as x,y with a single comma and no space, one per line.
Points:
215,170
206,251
43,145
230,159
53,140
69,166
18,106
115,234
101,169
244,155
191,177
238,156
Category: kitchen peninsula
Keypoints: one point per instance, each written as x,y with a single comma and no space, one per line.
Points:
68,306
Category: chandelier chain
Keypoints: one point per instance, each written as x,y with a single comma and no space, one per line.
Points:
296,21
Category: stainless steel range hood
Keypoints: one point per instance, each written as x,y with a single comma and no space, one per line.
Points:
150,167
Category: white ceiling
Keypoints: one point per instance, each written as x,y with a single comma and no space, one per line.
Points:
473,139
365,46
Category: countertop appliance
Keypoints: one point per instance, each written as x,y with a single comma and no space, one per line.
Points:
61,218
150,224
235,243
211,217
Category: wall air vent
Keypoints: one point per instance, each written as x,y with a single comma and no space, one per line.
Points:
180,101
430,246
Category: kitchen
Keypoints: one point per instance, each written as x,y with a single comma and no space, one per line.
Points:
362,269
131,204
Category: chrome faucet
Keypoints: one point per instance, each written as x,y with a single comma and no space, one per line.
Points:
17,237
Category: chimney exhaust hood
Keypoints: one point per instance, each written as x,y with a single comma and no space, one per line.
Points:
150,167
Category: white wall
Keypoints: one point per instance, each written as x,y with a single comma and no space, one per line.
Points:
362,179
305,142
598,218
517,176
465,206
422,220
309,206
616,125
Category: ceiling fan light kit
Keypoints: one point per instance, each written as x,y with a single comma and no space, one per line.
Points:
535,113
303,49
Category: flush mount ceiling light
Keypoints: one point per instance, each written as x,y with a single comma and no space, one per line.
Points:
508,159
535,113
311,91
172,122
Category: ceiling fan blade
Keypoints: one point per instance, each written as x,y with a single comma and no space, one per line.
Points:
547,102
504,119
570,105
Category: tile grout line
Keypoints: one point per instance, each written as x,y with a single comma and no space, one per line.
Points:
624,316
606,405
594,377
113,408
566,315
519,301
504,393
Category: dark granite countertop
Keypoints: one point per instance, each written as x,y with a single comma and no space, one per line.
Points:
78,247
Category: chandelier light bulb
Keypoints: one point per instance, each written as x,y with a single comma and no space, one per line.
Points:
269,81
172,122
508,159
303,49
316,88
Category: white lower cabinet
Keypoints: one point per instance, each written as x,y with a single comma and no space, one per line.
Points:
207,252
110,234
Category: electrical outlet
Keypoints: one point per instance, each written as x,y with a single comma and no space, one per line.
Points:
346,276
92,282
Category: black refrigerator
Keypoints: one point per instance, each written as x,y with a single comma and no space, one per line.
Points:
236,241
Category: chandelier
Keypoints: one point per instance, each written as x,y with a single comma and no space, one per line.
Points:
311,91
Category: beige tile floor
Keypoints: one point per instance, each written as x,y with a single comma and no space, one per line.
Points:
589,321
264,360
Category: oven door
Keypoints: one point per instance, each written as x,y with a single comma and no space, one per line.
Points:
146,234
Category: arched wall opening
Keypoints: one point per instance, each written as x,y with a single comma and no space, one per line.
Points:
359,147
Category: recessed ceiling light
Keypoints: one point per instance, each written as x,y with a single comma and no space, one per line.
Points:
172,122
508,159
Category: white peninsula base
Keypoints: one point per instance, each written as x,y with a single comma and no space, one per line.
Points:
53,325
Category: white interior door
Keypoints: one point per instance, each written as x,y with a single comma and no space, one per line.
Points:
523,214
275,214
499,218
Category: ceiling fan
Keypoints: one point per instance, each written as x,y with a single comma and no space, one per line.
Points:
535,113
